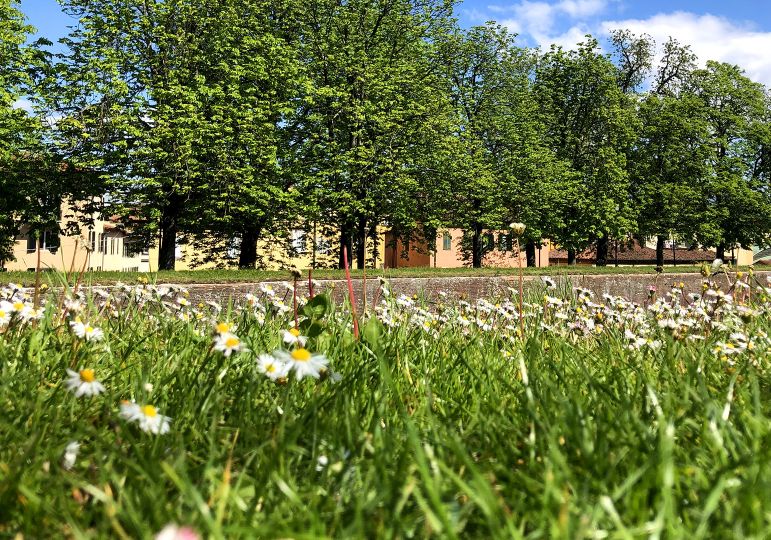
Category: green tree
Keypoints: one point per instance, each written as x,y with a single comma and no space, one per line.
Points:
589,126
31,186
738,193
174,105
372,96
505,171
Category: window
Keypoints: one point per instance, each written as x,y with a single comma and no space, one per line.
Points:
505,242
92,240
298,241
49,240
446,241
323,246
488,242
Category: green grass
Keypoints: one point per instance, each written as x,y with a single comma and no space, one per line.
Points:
241,276
448,432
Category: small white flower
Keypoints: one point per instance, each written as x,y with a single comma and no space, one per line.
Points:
228,343
293,337
148,388
146,416
86,331
70,455
549,282
303,362
273,368
224,327
321,462
84,383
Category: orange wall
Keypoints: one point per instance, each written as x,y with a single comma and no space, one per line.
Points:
453,258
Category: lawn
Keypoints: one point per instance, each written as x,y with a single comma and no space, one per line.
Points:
247,276
604,420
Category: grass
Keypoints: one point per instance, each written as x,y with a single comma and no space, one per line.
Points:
242,276
430,427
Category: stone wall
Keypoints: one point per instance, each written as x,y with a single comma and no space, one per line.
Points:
630,286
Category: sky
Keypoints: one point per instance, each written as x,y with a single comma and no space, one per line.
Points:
737,31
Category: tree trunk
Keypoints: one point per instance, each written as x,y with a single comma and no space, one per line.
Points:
720,252
476,247
247,257
345,242
660,250
168,244
571,257
530,250
602,251
361,243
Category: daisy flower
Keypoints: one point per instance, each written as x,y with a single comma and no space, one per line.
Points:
228,343
146,416
303,362
86,331
5,314
224,327
84,383
293,337
273,368
70,455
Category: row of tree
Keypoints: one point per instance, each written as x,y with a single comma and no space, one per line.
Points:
238,119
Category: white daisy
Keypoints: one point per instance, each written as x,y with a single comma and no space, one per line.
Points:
5,313
224,327
293,337
86,331
146,416
84,383
70,455
228,343
303,362
273,368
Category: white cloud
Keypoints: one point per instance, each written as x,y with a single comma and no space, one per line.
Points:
537,19
710,37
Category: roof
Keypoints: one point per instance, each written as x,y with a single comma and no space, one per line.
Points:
637,254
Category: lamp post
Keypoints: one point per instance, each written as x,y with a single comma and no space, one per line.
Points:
518,229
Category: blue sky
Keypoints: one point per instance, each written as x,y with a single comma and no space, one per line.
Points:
737,31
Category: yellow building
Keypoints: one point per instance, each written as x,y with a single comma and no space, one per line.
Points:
103,246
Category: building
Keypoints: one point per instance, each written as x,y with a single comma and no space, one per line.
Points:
447,251
103,246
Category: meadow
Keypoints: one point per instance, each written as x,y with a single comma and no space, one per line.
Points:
131,413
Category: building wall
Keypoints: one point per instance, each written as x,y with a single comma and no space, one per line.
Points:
101,247
448,252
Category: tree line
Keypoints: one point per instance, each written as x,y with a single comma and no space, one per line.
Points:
216,120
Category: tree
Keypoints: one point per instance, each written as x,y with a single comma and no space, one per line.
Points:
163,100
589,126
31,186
254,85
372,94
736,110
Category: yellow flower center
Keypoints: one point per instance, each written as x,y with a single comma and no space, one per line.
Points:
295,332
231,342
270,368
223,327
87,375
301,355
149,411
18,306
89,329
2,314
